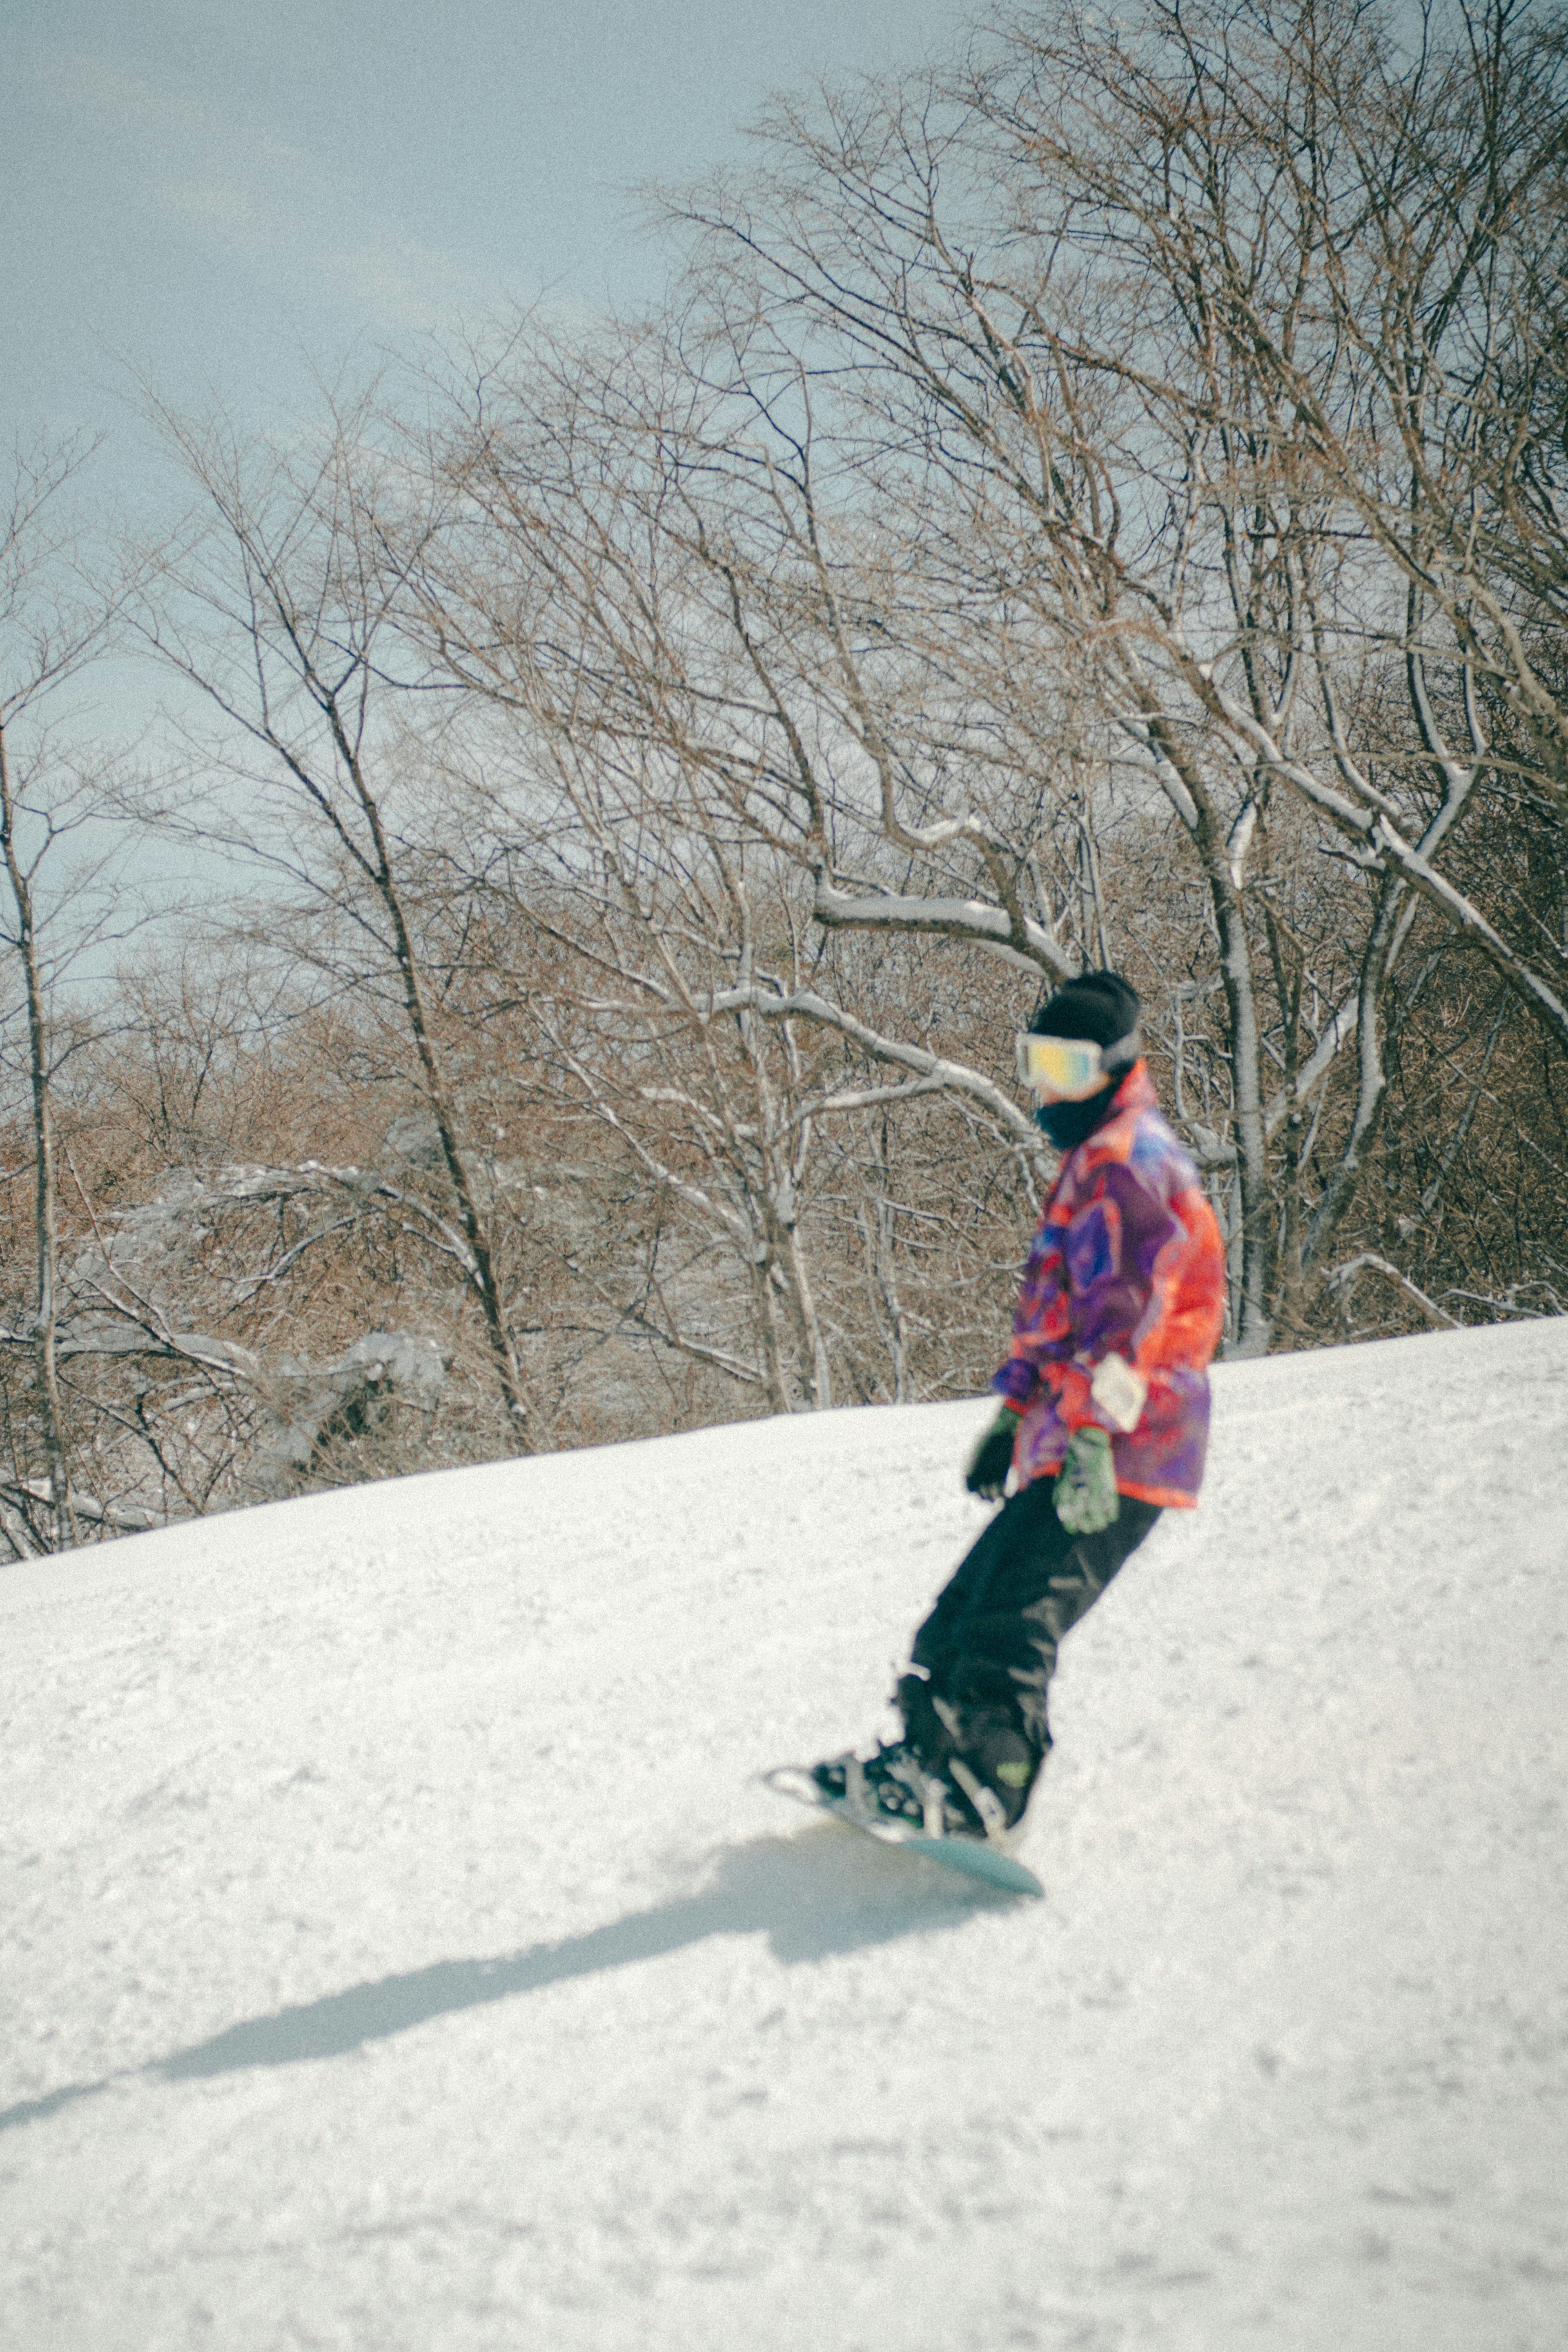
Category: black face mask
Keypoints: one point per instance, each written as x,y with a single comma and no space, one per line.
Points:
1065,1124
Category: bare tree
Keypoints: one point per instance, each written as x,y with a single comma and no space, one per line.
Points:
1160,342
666,735
54,616
282,606
1100,503
680,998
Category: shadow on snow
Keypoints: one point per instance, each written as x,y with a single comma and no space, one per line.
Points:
822,1891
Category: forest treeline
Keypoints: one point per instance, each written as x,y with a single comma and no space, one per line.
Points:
1099,501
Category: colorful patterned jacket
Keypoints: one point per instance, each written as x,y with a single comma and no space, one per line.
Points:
1127,1258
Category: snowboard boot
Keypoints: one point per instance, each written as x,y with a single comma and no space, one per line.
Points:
983,1751
997,1770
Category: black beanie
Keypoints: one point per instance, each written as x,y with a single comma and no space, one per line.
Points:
1099,1007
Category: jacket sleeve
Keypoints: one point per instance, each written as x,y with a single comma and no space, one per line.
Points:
1040,1319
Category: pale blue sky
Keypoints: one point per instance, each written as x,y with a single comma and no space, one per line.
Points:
208,189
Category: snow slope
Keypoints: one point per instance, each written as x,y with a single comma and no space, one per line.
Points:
399,1953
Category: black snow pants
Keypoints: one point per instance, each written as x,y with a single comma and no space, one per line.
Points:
988,1647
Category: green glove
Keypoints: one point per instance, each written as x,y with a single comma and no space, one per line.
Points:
1086,1497
993,1457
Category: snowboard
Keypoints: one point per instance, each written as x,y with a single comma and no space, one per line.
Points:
975,1857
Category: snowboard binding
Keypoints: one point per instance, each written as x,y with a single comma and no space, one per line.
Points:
932,1822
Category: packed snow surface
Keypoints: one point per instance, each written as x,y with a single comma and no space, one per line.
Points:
400,1950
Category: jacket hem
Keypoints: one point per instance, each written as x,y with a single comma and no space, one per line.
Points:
1170,1498
1167,1498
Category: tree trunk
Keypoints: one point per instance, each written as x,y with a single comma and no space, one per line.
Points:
51,1419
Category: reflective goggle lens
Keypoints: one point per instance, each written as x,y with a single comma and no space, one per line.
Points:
1068,1067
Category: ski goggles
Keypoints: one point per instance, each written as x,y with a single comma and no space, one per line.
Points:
1070,1069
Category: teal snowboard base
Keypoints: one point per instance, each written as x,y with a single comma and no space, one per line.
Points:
976,1857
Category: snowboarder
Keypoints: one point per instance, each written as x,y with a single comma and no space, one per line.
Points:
1103,1423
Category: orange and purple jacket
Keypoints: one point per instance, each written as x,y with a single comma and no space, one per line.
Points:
1126,1260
